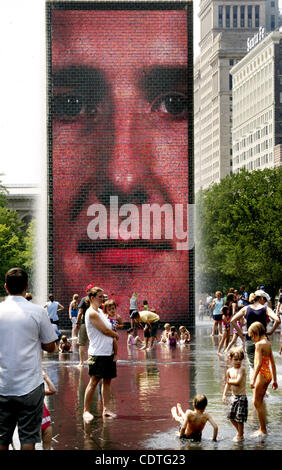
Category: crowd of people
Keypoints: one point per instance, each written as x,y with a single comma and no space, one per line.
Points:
252,321
95,320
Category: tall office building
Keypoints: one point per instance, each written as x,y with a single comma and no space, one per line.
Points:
225,27
257,104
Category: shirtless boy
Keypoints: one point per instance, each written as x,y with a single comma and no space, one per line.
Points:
193,422
236,380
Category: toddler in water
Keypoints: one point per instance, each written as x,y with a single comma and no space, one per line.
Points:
165,333
184,335
236,379
110,308
226,319
191,422
262,374
64,345
173,337
46,426
133,339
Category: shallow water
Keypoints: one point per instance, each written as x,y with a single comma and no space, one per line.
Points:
147,386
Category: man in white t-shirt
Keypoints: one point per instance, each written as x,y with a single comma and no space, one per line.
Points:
25,329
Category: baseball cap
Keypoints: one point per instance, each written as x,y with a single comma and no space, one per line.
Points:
261,293
90,286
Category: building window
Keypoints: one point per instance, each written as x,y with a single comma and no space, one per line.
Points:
230,81
242,16
220,17
272,22
227,19
250,16
257,16
235,16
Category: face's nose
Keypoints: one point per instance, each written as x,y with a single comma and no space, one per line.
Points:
128,159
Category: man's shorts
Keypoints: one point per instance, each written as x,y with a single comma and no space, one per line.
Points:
82,335
250,350
151,332
239,409
25,411
102,367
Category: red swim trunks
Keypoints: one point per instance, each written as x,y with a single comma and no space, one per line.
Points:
46,420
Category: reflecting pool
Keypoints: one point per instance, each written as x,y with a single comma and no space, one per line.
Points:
148,385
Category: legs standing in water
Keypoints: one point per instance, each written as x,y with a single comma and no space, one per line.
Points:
89,394
259,394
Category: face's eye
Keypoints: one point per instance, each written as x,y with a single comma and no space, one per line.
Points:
66,107
173,104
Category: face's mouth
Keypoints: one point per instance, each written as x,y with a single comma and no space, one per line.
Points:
89,246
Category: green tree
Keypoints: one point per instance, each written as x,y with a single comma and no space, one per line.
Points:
239,232
16,244
11,243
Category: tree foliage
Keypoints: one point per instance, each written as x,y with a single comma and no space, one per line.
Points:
16,243
239,232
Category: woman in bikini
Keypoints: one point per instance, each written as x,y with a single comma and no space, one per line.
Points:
262,374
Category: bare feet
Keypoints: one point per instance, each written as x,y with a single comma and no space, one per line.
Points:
259,433
238,438
87,417
179,409
109,414
173,412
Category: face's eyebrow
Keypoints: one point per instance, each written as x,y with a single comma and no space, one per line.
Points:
81,78
162,79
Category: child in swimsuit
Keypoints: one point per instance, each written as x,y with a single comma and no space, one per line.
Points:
165,333
226,319
191,422
46,425
262,374
185,336
133,339
236,380
110,311
235,337
173,337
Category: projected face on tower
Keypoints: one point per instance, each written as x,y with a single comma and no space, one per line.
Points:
119,150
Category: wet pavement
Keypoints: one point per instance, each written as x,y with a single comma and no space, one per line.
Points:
147,386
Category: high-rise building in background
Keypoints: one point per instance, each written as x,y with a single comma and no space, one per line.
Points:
225,27
257,104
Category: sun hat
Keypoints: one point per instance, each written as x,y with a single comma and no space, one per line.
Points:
261,293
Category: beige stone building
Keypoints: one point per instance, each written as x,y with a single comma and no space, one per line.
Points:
225,27
257,104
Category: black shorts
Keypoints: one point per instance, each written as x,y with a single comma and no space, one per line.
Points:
26,411
149,332
102,367
217,317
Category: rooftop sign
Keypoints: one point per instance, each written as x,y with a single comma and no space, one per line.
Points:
252,42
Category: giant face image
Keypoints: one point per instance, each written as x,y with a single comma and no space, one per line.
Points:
119,133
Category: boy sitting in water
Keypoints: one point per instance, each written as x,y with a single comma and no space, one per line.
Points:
64,345
236,379
193,422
